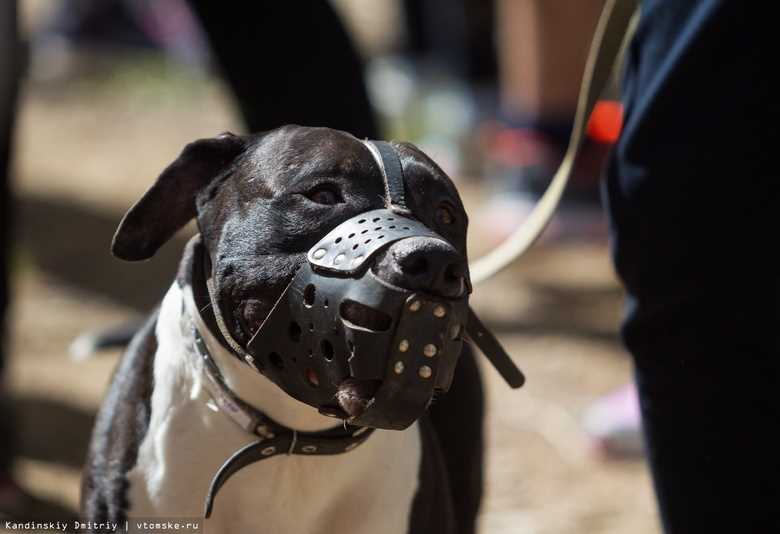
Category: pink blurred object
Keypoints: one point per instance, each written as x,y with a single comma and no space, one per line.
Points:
613,422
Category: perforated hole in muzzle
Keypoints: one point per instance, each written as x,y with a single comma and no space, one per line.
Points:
362,316
295,331
327,349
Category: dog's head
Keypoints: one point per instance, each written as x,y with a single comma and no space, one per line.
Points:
263,201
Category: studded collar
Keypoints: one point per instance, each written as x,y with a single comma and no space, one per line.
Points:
274,438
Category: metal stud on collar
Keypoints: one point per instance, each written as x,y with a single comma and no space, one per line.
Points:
264,432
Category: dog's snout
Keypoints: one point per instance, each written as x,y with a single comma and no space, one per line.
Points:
424,264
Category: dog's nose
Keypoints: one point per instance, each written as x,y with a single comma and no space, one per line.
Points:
424,264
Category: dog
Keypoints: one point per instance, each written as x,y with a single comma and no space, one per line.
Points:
261,202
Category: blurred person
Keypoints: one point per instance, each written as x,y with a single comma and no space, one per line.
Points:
456,36
285,62
542,46
542,49
110,26
692,190
289,62
448,57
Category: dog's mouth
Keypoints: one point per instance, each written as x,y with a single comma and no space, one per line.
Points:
355,396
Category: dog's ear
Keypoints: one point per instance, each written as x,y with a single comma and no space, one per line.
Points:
170,203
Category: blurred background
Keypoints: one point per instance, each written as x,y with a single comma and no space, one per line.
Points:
112,90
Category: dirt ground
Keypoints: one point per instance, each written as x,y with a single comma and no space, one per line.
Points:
86,151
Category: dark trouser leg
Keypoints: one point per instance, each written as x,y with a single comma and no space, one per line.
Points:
693,197
9,84
289,62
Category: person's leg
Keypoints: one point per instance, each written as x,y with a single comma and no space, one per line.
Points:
454,35
542,49
693,195
289,62
9,84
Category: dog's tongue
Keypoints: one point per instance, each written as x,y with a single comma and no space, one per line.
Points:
354,396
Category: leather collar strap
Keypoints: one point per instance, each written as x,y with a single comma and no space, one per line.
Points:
393,173
274,437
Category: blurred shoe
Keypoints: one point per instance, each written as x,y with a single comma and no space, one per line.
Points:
519,165
613,422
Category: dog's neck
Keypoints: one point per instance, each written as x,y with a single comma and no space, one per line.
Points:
265,396
246,383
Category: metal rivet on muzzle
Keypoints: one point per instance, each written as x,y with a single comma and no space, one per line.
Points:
430,350
439,311
338,259
268,451
403,346
425,372
309,448
319,253
414,306
398,368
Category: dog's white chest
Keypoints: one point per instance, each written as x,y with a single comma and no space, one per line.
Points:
368,490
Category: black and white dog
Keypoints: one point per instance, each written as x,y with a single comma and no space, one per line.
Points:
261,202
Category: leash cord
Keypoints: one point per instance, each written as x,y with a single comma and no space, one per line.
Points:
612,28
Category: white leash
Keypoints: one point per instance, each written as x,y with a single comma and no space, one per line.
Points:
605,48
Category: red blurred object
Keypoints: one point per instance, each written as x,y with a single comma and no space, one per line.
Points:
606,121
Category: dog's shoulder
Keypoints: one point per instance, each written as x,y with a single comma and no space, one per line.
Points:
120,426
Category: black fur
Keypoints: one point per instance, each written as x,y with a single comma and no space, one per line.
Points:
120,427
433,509
261,202
457,419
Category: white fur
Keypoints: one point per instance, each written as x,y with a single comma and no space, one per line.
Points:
367,490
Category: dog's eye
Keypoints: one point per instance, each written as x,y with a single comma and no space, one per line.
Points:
325,195
444,215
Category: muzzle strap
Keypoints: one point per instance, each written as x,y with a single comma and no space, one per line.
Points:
393,173
493,351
